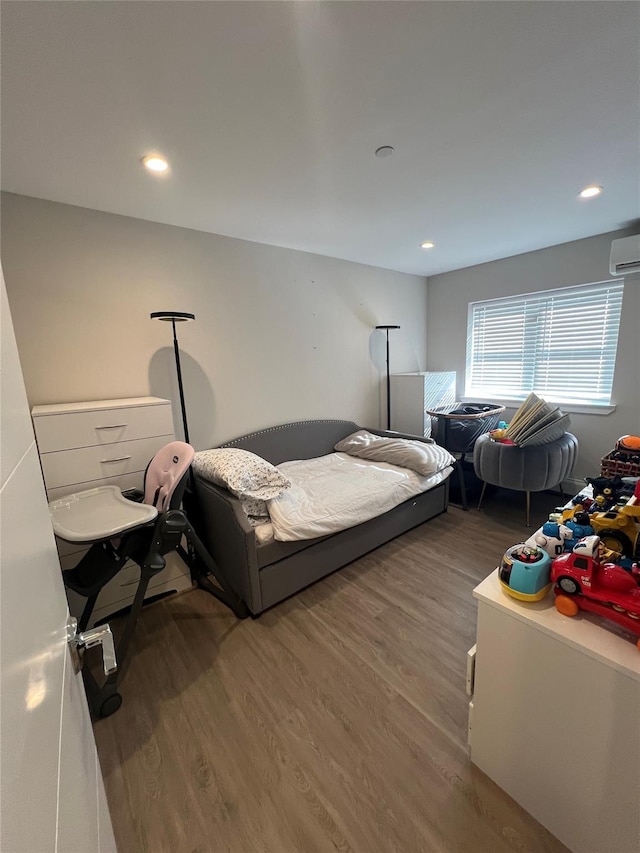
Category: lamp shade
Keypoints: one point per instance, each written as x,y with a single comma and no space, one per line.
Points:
176,316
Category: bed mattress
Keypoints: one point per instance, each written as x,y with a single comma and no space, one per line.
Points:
337,491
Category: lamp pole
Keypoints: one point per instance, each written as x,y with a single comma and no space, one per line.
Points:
180,387
386,329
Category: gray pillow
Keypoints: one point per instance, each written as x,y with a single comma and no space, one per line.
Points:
425,459
245,474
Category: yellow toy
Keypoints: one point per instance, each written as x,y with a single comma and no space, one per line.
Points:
619,527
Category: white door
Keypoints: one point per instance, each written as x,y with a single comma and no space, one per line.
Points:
51,792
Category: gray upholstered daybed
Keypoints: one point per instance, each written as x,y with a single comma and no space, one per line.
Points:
264,574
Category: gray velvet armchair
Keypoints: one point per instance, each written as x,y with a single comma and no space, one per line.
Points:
525,469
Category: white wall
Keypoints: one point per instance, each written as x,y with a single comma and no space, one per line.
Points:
579,262
279,335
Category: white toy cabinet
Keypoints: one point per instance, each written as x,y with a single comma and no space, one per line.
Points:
555,718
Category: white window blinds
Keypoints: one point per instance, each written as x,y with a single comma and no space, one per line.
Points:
561,344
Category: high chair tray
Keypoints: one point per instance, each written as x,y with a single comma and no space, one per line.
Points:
97,514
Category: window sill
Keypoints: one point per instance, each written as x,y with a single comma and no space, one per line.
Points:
568,408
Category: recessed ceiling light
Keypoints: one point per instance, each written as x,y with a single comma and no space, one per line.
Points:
590,192
427,245
155,163
384,151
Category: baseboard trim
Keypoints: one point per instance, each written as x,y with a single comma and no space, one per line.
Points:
573,487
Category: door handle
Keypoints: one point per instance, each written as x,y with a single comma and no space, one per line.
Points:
101,636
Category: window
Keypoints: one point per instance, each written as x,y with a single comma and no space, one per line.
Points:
560,344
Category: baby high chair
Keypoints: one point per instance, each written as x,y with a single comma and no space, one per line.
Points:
145,532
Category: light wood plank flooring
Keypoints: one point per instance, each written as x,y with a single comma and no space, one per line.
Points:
335,721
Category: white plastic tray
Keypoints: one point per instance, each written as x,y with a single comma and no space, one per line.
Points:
97,514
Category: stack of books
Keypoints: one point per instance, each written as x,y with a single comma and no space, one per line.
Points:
537,422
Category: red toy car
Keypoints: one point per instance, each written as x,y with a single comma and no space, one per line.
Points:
583,582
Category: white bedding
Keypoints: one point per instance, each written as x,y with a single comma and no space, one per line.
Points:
337,491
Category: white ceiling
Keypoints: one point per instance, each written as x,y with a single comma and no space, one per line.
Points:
270,113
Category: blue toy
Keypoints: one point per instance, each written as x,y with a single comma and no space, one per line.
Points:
580,526
524,572
555,538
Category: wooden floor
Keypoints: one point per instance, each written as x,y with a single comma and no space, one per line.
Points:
337,720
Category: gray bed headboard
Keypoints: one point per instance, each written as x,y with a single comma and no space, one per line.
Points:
299,440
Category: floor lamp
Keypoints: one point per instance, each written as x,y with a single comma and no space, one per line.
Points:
386,328
174,317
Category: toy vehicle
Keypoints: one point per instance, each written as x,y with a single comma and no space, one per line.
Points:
583,582
580,525
555,538
524,572
606,491
617,527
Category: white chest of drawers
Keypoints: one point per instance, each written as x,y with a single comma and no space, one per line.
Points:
83,445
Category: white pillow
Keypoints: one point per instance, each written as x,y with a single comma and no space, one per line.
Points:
256,511
425,459
245,474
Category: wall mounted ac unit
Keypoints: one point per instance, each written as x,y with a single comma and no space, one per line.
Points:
625,255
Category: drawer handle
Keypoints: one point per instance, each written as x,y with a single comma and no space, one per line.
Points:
136,581
119,459
131,583
112,426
